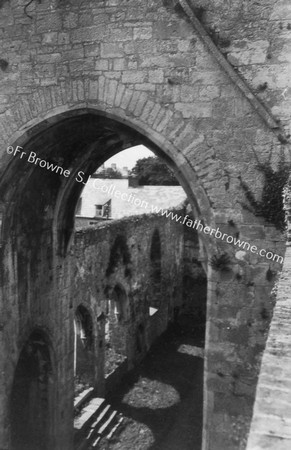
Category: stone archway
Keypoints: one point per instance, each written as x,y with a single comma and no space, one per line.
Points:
39,204
166,79
52,142
31,397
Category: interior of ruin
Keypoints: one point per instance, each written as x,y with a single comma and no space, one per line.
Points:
205,85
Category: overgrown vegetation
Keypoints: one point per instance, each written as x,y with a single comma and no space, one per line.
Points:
220,262
199,13
220,41
153,171
271,205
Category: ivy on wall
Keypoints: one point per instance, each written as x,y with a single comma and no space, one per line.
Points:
220,262
271,205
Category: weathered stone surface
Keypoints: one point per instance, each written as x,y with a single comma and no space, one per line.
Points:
272,414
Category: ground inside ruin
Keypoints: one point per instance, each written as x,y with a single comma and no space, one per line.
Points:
161,399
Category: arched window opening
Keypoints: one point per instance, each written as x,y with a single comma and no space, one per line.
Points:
84,349
119,256
119,304
31,397
116,329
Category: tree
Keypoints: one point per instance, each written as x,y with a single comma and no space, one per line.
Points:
152,171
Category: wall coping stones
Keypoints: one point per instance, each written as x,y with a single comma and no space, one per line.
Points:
123,221
271,422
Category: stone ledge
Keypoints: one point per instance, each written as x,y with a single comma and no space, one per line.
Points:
271,416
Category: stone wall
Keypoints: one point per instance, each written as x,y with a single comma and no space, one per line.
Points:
271,413
80,82
270,427
255,38
118,254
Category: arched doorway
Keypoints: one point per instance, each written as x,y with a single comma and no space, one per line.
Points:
60,155
30,402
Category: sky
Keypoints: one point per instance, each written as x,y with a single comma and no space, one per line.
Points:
128,158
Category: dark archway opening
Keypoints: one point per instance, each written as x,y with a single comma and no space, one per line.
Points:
119,258
84,349
31,397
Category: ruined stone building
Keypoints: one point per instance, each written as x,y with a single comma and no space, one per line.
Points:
204,84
